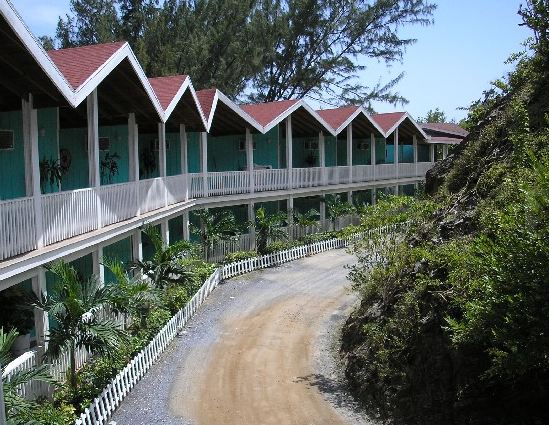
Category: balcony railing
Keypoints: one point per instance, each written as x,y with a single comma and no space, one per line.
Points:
72,213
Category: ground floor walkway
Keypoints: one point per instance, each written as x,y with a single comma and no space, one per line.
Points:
260,351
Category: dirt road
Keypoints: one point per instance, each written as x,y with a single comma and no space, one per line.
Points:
261,354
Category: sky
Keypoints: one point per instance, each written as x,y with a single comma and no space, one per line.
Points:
450,66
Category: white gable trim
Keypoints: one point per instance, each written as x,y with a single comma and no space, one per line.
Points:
37,52
404,116
300,103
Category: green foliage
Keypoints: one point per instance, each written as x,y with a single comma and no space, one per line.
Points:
452,326
433,116
73,304
165,267
336,207
214,227
49,414
305,219
238,256
16,311
268,228
281,50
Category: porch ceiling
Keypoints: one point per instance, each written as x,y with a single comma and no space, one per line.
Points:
20,74
227,122
363,127
304,124
120,93
186,112
407,129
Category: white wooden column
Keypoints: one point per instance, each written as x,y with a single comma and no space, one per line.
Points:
374,195
204,161
350,151
183,157
41,319
250,158
165,231
251,219
432,153
2,404
289,150
444,151
97,266
94,175
350,197
373,152
290,208
32,165
395,153
186,230
133,148
137,245
322,210
322,157
162,158
414,149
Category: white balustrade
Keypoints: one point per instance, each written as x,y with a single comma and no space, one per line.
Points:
385,171
363,173
228,183
17,229
119,202
69,214
274,179
176,187
72,213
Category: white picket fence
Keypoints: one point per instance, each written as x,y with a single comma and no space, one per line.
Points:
246,242
101,409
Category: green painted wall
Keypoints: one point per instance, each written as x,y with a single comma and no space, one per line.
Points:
175,226
173,154
422,153
342,149
330,149
12,162
380,150
118,251
226,153
266,148
361,151
193,152
47,140
146,150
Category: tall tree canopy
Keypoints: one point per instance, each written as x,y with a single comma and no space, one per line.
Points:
261,50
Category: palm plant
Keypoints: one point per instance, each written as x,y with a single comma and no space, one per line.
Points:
336,208
74,305
165,267
214,227
16,406
131,294
306,219
268,227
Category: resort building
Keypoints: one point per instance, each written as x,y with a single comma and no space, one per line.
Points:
91,150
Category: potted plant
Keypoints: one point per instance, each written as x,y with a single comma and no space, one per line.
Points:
17,313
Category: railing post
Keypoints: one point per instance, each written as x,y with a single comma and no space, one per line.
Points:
414,148
204,161
395,153
289,150
322,158
350,151
183,157
250,159
373,153
32,165
93,150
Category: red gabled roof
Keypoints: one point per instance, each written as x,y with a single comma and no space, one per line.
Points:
206,98
445,127
167,87
77,64
388,120
337,116
264,113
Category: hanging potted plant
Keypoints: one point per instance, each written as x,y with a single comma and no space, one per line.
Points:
109,167
17,313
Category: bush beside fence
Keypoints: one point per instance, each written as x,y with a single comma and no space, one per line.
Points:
101,409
